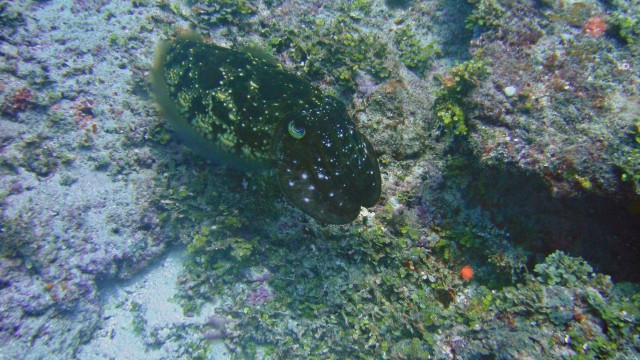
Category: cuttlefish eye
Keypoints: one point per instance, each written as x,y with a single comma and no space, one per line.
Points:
295,131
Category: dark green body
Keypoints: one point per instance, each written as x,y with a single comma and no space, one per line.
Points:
249,113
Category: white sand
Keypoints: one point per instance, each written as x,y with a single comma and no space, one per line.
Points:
154,291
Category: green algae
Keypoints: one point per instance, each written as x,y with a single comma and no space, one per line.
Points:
560,269
457,83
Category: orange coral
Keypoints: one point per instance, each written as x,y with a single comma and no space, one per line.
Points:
595,26
466,272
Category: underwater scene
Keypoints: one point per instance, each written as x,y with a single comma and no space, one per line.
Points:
314,179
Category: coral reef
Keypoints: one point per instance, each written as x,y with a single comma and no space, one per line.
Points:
508,140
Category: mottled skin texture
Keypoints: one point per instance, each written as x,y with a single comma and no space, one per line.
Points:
249,113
